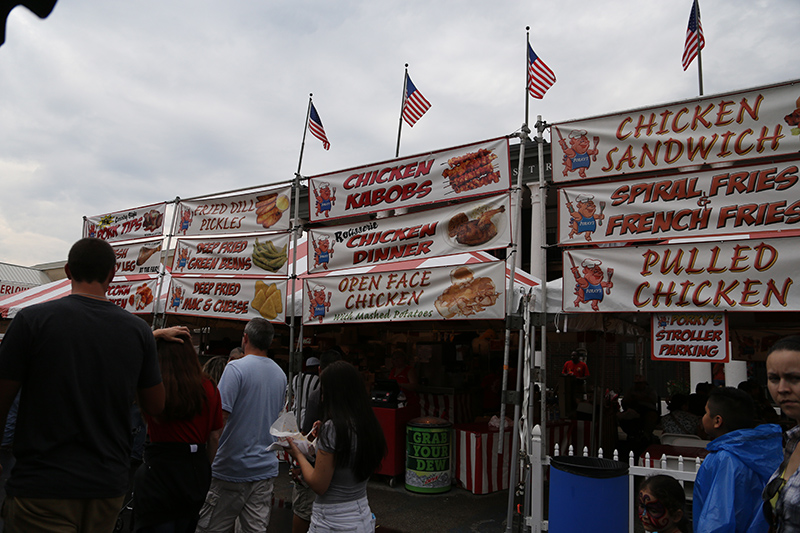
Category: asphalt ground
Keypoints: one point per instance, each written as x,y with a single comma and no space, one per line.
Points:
398,510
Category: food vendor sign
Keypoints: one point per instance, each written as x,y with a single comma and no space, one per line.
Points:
447,175
727,127
13,287
138,223
450,293
138,297
690,337
472,226
241,213
236,299
263,255
752,275
138,258
727,201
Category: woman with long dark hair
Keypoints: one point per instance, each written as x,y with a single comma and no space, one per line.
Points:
171,485
782,493
350,447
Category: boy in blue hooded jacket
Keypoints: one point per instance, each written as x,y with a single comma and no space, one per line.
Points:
727,490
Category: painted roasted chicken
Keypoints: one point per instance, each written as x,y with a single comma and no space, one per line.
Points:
474,232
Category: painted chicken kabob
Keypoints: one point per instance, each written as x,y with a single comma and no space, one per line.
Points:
471,171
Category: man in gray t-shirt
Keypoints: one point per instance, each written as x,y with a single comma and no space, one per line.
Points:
252,390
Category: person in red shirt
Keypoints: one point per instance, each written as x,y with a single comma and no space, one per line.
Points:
574,375
171,485
575,367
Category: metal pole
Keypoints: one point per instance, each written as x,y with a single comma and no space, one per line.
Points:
527,71
511,250
162,269
540,452
540,128
513,462
402,106
699,56
295,228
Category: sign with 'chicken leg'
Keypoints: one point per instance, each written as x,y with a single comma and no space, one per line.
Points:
465,227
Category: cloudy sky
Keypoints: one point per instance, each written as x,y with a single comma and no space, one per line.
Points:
107,106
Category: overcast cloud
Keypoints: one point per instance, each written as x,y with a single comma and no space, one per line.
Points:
106,106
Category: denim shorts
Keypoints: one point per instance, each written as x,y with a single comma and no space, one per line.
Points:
355,517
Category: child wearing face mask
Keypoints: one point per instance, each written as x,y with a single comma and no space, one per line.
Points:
661,505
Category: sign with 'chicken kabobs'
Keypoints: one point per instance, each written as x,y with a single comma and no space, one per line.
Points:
472,226
447,175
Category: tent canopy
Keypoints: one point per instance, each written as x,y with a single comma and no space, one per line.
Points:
10,305
523,282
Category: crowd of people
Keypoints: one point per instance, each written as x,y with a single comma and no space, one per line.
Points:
78,373
749,481
74,371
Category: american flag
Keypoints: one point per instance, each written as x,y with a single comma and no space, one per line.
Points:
694,37
540,77
315,126
415,105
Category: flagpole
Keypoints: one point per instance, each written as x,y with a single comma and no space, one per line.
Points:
699,56
402,106
305,130
527,73
293,357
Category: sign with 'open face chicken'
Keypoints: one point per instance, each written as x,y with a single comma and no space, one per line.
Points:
473,291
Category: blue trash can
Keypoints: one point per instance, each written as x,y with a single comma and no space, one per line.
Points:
588,493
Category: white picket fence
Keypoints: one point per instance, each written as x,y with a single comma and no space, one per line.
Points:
675,466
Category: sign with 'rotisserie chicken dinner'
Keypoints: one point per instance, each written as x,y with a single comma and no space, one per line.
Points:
472,226
447,175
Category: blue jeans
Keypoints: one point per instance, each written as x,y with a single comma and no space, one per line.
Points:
355,517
